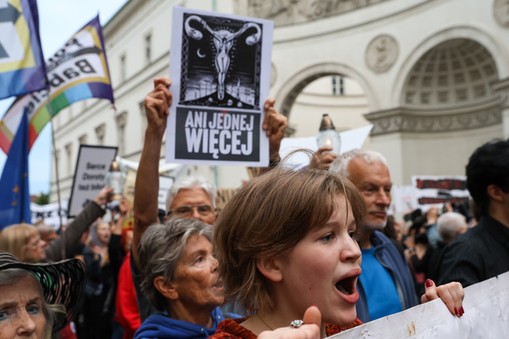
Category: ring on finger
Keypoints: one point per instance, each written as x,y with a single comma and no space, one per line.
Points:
296,323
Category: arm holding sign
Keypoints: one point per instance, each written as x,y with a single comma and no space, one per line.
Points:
63,245
274,124
146,190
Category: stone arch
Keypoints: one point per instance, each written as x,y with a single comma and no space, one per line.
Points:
475,35
297,81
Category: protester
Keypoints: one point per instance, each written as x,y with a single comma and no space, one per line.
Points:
99,301
181,280
48,233
190,197
386,285
449,226
127,314
294,250
37,299
482,252
24,240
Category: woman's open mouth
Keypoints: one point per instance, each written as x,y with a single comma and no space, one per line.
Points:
347,286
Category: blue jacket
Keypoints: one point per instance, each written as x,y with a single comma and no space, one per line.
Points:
390,258
160,326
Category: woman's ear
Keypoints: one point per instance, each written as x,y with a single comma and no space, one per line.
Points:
168,290
270,268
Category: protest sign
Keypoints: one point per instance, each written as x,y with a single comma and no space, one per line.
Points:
485,316
92,168
220,71
434,189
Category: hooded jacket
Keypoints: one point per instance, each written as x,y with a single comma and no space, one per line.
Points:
160,326
389,256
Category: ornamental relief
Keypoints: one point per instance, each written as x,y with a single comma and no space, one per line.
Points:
382,53
399,122
501,12
287,12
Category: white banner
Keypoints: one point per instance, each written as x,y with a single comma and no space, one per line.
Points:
486,316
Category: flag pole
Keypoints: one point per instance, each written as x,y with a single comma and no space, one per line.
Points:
57,178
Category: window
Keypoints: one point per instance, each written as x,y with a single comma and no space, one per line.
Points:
122,68
338,85
121,120
148,48
99,133
68,152
83,139
143,120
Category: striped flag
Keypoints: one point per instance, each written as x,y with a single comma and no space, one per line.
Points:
77,71
21,59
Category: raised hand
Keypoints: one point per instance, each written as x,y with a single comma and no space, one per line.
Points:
157,103
274,126
322,159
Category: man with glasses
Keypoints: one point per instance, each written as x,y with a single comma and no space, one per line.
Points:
192,197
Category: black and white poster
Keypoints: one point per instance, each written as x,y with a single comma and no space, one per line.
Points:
220,71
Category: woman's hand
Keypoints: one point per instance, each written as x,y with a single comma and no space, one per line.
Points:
452,295
309,330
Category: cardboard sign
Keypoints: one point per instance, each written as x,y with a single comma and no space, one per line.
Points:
220,71
485,316
433,189
92,168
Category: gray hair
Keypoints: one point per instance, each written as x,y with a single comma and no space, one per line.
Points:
160,250
450,224
189,182
340,165
12,275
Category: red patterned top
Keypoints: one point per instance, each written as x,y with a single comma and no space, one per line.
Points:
231,329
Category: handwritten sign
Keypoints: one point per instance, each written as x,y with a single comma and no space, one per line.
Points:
485,316
92,167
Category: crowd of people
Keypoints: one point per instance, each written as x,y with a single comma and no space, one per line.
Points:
294,254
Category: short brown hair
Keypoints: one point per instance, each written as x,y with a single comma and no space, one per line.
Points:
267,218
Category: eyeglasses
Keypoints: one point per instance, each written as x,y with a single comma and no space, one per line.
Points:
187,211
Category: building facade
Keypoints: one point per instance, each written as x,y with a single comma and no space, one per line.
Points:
432,76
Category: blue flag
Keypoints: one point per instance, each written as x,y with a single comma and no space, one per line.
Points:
14,191
22,67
